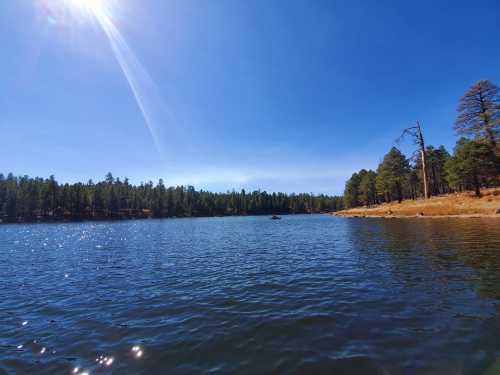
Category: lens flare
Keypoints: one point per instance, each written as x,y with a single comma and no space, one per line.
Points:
140,82
144,89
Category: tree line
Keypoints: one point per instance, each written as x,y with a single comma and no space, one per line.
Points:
38,199
474,164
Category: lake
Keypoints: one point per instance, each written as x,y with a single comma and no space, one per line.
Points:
308,294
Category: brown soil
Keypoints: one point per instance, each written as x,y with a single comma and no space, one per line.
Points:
458,204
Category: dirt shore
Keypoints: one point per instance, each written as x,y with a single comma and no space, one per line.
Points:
465,205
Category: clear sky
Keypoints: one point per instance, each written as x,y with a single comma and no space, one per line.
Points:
279,95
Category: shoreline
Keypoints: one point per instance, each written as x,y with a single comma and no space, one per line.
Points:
455,205
125,219
382,216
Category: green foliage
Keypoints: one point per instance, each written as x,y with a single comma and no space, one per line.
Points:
392,175
351,191
29,199
436,173
473,165
436,161
367,188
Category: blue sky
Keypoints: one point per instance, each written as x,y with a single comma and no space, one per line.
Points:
278,95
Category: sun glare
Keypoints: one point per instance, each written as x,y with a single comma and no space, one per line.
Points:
89,7
102,14
70,12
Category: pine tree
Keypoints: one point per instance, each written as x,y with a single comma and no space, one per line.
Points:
26,199
351,191
392,174
479,112
436,160
473,165
367,188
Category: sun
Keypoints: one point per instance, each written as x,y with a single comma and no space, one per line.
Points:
90,7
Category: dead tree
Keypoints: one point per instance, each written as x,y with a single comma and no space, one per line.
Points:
415,132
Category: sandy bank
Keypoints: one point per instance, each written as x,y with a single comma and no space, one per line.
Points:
465,205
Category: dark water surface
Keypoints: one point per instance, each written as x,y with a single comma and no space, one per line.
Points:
305,294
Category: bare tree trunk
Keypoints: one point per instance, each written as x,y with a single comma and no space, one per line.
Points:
421,143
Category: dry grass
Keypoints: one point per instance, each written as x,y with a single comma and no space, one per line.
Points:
458,204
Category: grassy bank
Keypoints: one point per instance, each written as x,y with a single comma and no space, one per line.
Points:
458,204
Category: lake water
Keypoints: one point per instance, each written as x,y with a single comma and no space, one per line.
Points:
307,294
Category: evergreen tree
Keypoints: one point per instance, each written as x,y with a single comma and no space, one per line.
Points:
28,199
474,164
436,160
392,174
367,188
351,191
479,112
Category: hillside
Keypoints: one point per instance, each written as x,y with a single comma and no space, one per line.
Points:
458,204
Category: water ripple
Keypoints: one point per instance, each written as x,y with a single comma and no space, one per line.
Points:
310,294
